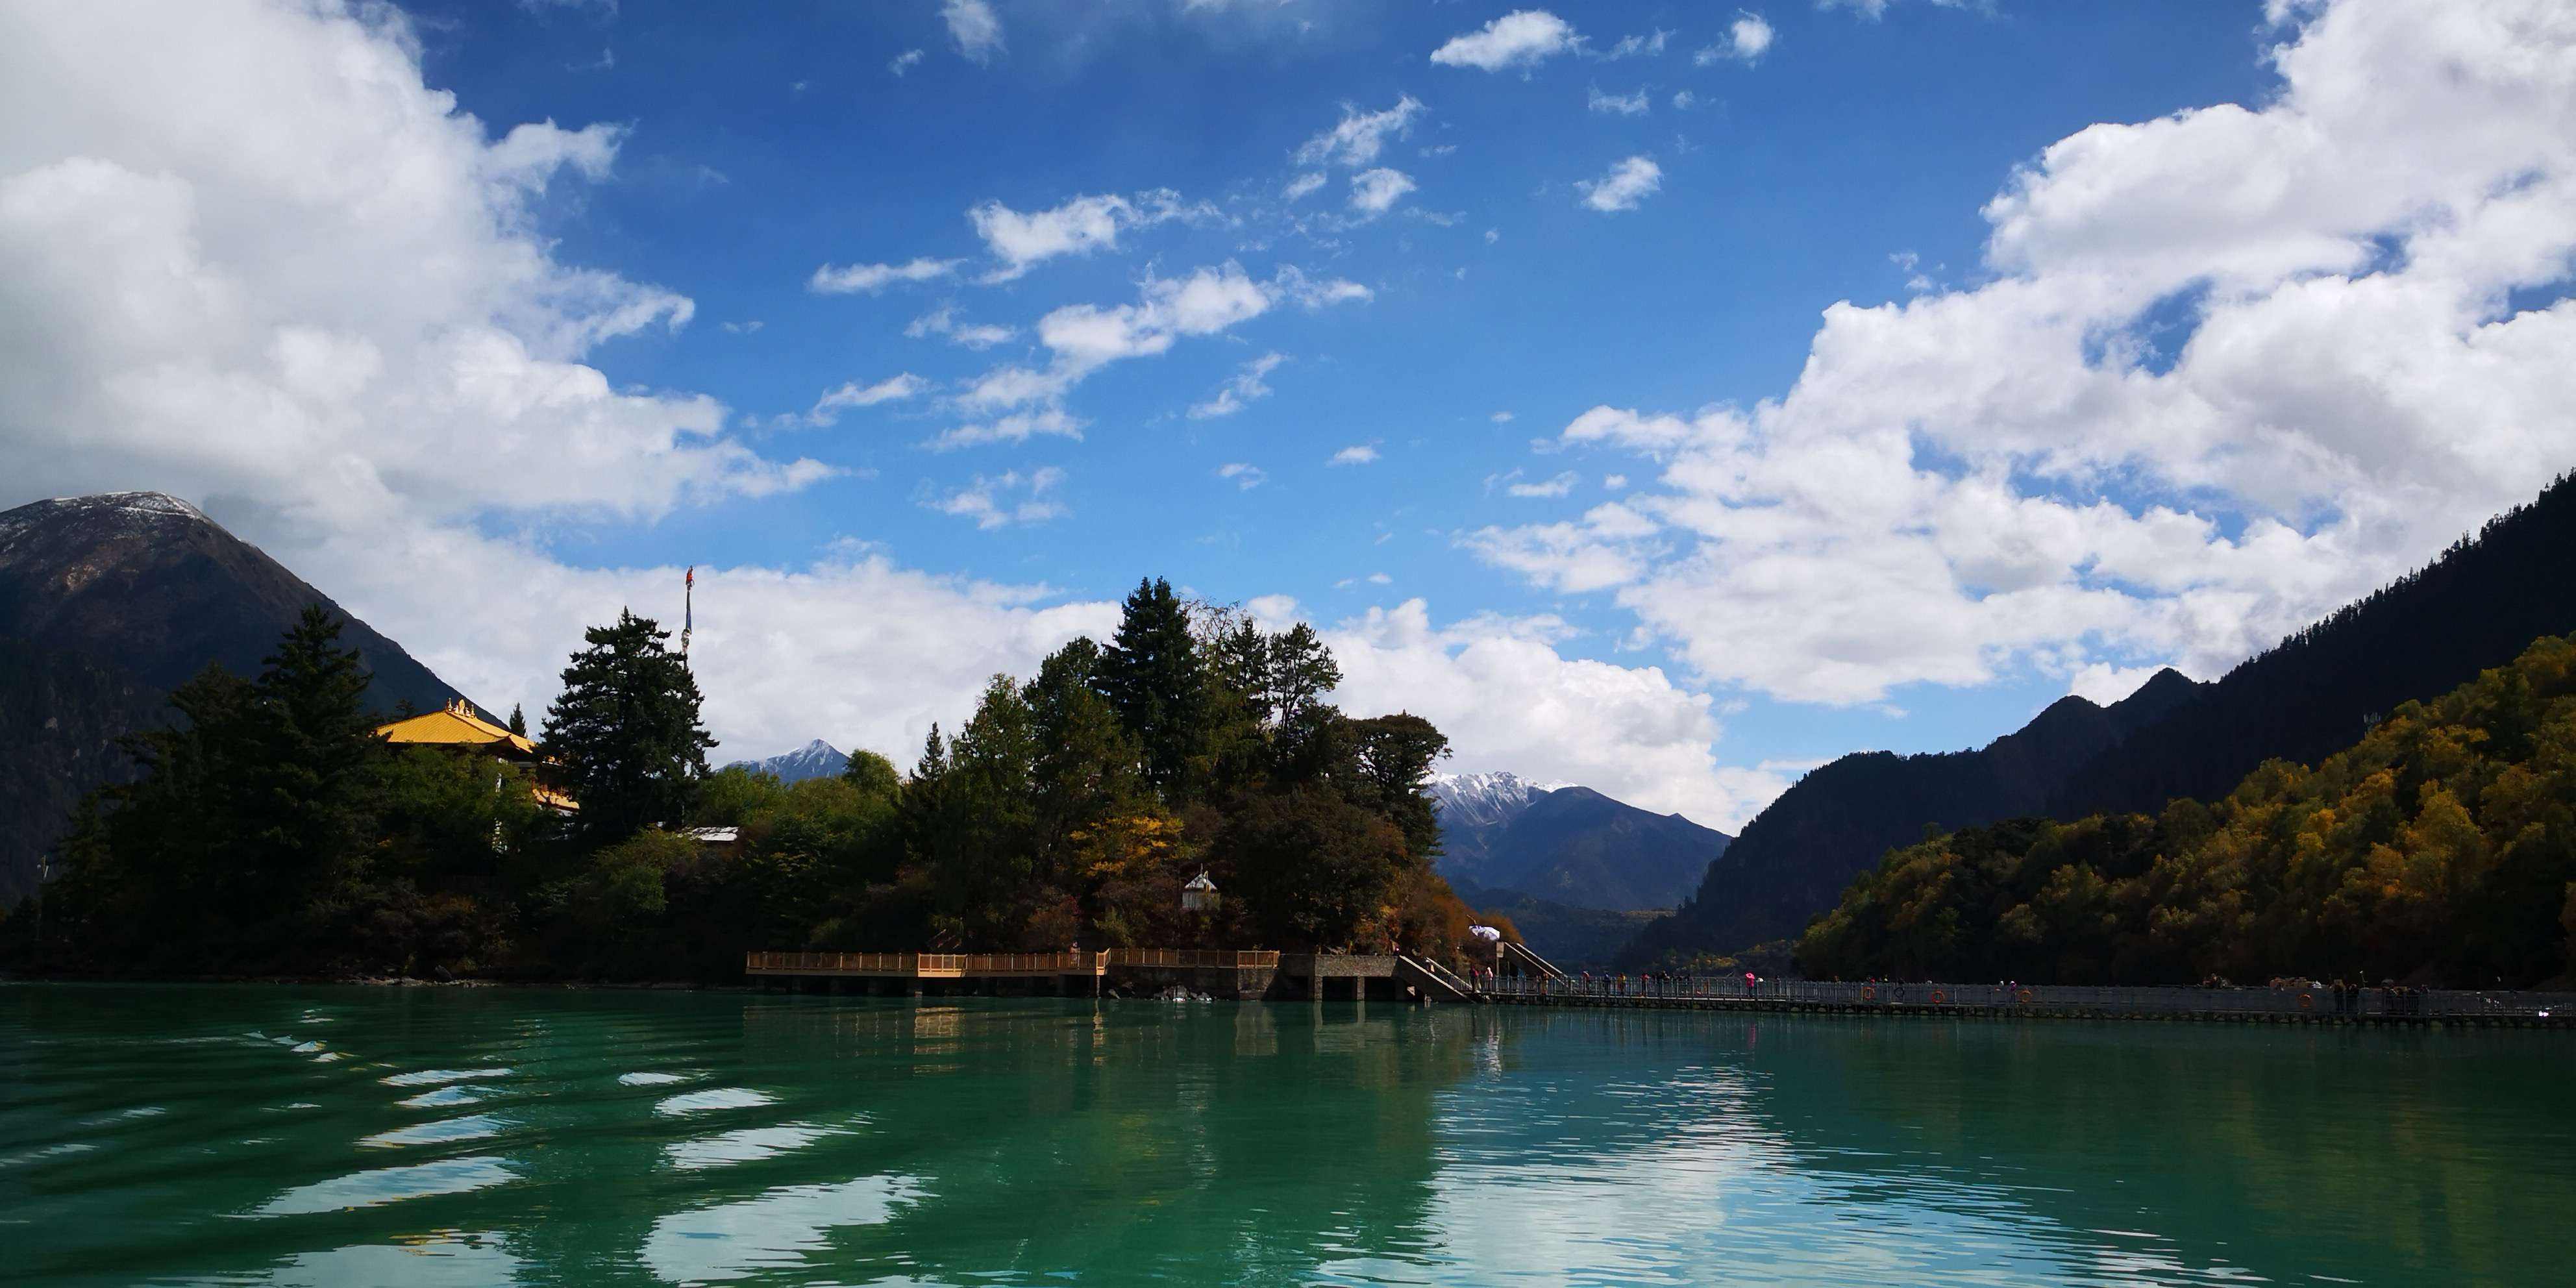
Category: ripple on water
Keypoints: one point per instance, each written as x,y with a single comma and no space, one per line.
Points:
392,1185
455,1093
650,1079
445,1259
698,1102
746,1145
777,1228
26,1156
443,1131
429,1077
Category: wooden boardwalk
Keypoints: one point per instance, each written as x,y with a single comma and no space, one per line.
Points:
1222,972
2422,1008
1252,974
914,966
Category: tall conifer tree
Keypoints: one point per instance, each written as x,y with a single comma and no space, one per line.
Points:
1151,675
316,748
626,732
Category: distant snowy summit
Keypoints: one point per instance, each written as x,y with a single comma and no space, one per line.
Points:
816,759
1484,800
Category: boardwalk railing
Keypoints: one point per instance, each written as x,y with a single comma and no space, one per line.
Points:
2312,1002
923,965
1195,958
980,965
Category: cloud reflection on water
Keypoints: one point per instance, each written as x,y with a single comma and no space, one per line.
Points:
392,1184
774,1230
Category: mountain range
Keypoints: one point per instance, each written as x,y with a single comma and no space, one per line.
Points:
816,759
2478,605
106,604
1571,867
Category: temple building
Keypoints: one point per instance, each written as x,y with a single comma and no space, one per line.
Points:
1199,895
457,725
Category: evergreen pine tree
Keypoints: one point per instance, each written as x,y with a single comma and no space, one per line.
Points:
518,720
625,730
316,750
1151,675
1085,768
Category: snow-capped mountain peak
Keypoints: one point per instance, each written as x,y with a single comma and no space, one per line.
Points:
816,759
1483,800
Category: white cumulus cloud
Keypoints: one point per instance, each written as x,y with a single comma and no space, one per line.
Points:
1374,191
1247,386
1358,138
1626,185
975,27
1633,104
1520,39
999,500
280,275
868,279
1747,39
2184,414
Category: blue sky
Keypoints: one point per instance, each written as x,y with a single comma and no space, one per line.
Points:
1935,373
767,144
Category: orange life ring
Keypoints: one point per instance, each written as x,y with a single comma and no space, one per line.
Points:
1868,994
2024,998
1937,998
2307,1000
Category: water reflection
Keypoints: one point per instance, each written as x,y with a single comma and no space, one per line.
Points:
431,1077
699,1102
883,1141
392,1185
778,1229
748,1144
460,1093
442,1132
443,1259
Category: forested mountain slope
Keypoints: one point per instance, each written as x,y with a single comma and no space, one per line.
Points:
2439,848
106,604
2476,606
1793,860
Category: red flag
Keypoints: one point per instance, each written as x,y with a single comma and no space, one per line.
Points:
693,576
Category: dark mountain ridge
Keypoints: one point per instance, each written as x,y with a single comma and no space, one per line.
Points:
107,603
1576,846
1576,871
2478,605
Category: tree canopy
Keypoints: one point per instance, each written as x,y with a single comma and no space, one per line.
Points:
270,829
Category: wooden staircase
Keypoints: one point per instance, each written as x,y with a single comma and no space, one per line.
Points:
1438,981
1529,962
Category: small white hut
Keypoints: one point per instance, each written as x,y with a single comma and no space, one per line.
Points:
1199,895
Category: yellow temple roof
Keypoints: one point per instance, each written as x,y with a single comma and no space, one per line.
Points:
456,725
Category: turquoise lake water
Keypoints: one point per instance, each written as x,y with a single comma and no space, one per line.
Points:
329,1136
